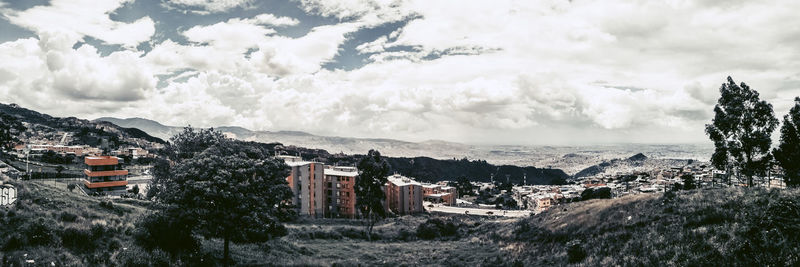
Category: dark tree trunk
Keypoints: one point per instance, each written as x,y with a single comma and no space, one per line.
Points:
226,252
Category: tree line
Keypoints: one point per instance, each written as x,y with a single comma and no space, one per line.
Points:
742,130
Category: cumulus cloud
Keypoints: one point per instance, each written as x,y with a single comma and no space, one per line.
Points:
526,71
206,6
79,18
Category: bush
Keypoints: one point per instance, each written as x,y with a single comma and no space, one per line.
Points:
575,253
14,242
68,217
78,240
167,231
107,204
436,228
41,233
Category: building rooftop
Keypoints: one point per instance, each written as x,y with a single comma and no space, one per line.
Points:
335,172
400,180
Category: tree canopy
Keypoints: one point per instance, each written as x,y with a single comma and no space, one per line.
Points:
9,129
741,130
234,191
788,152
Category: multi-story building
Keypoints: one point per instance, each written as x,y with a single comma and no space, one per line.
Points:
339,188
105,175
403,195
322,191
306,181
440,194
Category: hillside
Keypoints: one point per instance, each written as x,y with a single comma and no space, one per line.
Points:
635,163
571,159
49,124
732,227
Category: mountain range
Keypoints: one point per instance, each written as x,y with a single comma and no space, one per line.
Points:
571,159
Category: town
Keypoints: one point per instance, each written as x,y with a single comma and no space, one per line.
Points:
326,191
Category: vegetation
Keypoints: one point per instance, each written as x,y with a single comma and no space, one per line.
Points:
50,224
369,188
688,182
596,193
741,131
788,152
433,170
463,186
9,126
733,226
233,191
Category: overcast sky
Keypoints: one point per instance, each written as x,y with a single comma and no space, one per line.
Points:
491,72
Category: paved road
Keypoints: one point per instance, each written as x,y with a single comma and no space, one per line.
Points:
475,211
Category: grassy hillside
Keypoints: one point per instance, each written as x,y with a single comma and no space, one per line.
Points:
737,227
50,224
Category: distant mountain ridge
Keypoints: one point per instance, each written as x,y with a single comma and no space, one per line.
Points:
571,159
334,144
71,124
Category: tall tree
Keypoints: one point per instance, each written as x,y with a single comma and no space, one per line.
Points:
741,131
463,186
688,182
373,173
10,127
234,191
788,152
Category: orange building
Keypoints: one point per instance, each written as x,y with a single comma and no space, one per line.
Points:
340,195
321,191
403,195
440,194
104,174
306,181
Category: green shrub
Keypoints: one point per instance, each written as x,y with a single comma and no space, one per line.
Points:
575,253
68,217
14,242
169,232
78,240
41,233
436,228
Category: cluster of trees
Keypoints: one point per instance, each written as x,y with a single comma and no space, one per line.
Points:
8,126
217,188
742,134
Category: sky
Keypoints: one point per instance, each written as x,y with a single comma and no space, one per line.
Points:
548,72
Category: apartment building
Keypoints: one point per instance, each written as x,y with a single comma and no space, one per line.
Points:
103,174
403,195
339,188
437,193
306,180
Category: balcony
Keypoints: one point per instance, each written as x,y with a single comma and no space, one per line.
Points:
105,173
105,184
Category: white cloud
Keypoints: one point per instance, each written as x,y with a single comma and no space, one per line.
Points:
49,75
79,18
206,6
529,71
234,35
269,19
